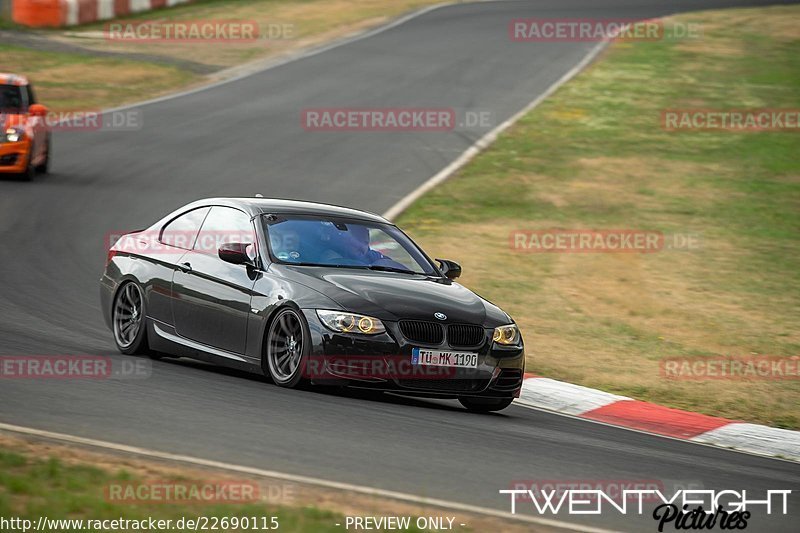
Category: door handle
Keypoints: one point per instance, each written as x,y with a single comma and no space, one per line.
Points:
186,266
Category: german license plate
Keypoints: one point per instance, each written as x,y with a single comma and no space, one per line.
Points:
421,356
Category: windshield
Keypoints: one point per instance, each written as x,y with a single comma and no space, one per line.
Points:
343,243
11,98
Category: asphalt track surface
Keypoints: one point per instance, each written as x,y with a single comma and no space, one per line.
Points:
245,137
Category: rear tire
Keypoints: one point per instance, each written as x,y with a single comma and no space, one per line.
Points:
128,320
485,405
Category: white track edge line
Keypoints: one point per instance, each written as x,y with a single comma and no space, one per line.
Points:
368,491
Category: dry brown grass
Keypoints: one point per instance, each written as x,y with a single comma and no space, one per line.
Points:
69,81
310,22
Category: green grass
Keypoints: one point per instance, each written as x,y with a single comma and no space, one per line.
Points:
70,81
594,156
31,487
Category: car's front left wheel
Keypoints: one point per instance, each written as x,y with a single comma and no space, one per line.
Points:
287,348
44,166
29,172
128,320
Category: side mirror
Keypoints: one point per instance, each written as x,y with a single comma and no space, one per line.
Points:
37,110
237,253
450,269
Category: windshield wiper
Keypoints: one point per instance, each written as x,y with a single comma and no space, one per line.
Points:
382,268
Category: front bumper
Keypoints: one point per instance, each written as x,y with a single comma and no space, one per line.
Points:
14,157
383,362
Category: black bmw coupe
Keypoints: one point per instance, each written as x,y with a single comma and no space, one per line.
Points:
309,293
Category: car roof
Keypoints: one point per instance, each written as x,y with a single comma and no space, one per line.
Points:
258,206
12,79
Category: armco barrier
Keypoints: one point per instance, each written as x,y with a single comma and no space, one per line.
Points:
39,13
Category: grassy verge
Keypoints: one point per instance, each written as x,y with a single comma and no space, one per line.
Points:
32,487
594,156
67,78
285,24
65,482
69,81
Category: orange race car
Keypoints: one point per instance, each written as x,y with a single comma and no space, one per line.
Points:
24,135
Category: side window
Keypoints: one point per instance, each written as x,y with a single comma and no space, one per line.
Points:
31,97
224,225
181,232
11,98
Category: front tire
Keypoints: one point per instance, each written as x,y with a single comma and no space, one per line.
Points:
44,166
30,171
485,405
128,320
287,347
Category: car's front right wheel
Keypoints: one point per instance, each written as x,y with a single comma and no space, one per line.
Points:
287,348
29,172
485,405
44,166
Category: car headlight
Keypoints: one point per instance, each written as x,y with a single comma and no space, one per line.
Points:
13,135
506,334
344,322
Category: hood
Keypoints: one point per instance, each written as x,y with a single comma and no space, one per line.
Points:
392,296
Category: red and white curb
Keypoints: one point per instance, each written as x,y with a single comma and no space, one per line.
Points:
592,404
58,13
83,11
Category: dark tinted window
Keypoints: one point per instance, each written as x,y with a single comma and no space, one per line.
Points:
181,232
31,97
224,225
341,243
11,98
